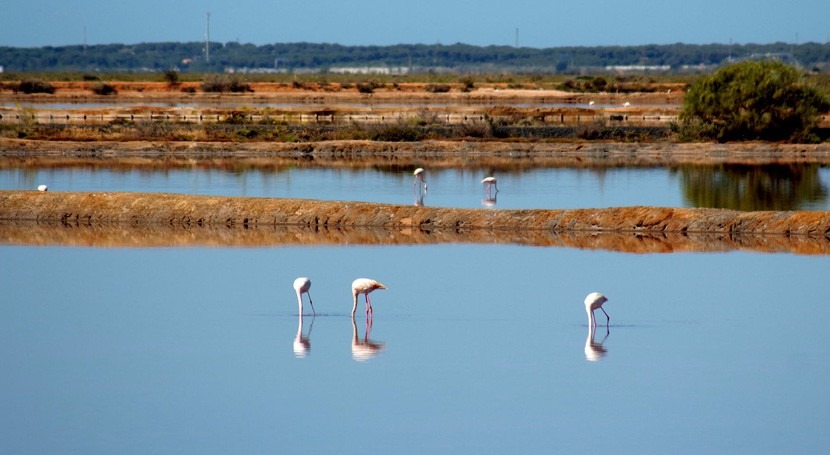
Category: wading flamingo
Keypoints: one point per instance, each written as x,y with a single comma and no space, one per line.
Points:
419,177
489,182
42,188
364,286
593,301
302,286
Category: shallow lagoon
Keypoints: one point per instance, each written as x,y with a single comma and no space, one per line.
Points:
174,350
772,187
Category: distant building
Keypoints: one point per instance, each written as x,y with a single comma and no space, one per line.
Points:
395,70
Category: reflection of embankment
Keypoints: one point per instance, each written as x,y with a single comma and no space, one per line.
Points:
142,219
15,153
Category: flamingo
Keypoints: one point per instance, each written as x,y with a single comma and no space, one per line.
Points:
488,182
419,177
42,188
302,285
593,301
364,286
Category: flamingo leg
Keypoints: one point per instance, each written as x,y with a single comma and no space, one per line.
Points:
606,315
312,304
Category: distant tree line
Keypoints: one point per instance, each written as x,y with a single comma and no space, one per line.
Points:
189,57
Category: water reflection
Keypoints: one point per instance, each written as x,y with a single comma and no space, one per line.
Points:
148,236
366,348
302,344
489,201
749,188
594,350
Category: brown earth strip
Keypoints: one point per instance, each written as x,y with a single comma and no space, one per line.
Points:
142,219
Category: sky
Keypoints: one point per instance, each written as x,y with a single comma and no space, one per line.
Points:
540,23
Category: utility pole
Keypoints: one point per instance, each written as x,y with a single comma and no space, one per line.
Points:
207,38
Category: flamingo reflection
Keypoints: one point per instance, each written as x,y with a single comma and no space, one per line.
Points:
595,351
489,201
364,349
419,199
302,344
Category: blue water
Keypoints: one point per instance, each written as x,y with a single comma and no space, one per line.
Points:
483,350
767,189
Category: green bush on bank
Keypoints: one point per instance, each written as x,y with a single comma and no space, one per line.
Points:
753,100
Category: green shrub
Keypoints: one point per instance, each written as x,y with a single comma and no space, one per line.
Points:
33,86
171,77
103,89
221,84
364,87
753,101
437,88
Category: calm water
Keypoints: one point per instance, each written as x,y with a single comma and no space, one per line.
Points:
803,187
483,351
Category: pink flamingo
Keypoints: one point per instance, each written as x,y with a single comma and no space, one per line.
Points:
364,286
302,286
593,301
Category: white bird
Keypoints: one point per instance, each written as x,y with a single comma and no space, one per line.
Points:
364,286
419,177
42,188
626,104
488,182
302,286
590,103
593,301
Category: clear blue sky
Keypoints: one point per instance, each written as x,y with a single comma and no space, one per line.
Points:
541,23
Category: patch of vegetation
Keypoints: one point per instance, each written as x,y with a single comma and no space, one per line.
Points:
172,78
222,84
103,89
34,86
437,88
753,100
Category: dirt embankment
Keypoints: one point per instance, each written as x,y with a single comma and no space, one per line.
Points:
141,219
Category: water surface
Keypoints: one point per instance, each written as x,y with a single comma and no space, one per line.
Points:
485,349
772,187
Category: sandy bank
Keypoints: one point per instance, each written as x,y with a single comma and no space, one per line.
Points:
141,219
